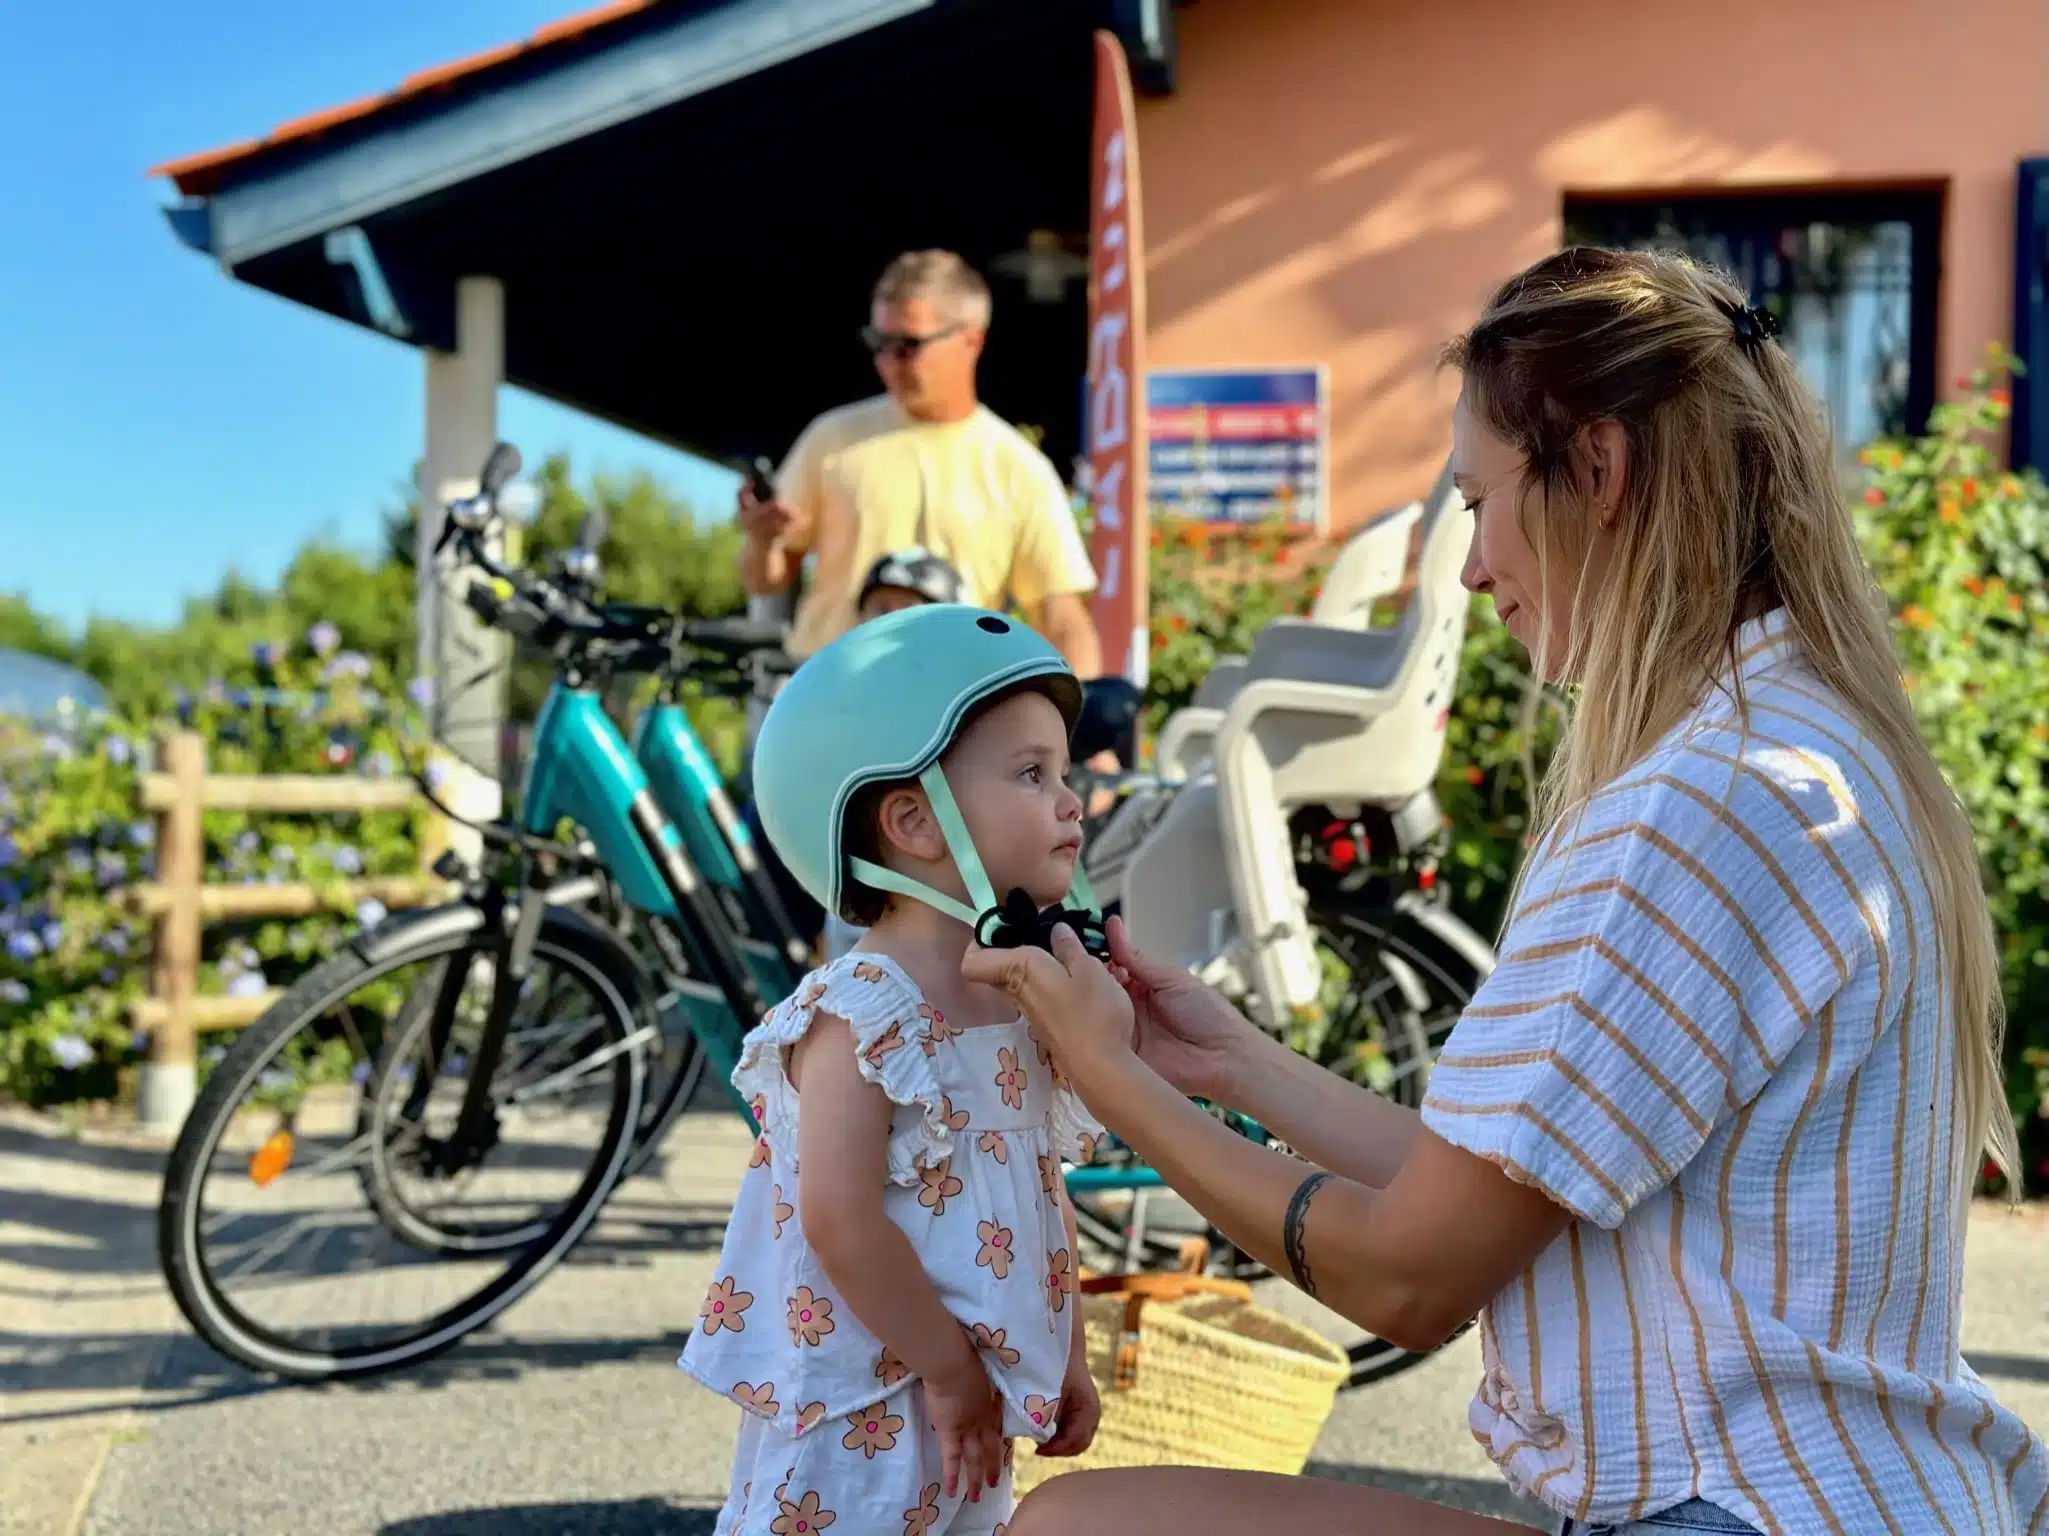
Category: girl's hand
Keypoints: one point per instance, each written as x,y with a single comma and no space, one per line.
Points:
967,1415
1186,1032
1081,1410
1075,1005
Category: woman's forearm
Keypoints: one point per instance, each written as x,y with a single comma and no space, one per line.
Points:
1335,1124
878,1275
1245,1190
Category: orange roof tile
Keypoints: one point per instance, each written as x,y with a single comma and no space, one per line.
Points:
199,174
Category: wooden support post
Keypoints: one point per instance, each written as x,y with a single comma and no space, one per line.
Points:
170,1078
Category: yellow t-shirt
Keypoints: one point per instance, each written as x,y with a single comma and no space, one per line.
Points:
974,492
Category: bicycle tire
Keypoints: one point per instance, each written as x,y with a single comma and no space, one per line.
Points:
1450,960
235,1336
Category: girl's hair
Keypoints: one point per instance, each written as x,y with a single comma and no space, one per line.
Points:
1730,507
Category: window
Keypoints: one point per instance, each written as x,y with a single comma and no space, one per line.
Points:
1852,277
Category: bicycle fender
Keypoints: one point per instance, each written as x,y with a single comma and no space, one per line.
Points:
456,920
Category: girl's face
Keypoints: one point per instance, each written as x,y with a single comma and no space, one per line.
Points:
1533,597
1008,773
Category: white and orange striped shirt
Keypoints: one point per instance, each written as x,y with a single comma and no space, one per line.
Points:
1718,1035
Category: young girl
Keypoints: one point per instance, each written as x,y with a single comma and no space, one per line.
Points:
895,1297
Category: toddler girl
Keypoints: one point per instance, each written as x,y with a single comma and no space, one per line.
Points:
895,1296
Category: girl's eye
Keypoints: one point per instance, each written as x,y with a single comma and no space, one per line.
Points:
1033,773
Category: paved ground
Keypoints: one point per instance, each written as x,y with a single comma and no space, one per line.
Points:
569,1417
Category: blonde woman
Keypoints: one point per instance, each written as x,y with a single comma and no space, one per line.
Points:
1700,1152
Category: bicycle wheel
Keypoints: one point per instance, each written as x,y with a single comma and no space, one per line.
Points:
1398,978
259,1271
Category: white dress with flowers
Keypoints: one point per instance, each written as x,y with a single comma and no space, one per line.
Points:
835,1430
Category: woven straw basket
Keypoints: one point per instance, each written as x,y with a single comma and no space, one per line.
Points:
1191,1373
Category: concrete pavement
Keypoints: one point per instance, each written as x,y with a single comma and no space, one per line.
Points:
568,1415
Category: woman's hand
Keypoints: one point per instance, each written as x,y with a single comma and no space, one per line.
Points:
1075,1005
1186,1032
1081,1409
967,1415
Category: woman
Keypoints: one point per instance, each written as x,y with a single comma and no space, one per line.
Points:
1700,1151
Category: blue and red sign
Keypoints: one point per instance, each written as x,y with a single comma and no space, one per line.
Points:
1239,445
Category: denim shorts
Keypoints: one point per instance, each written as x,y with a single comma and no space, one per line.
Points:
1693,1515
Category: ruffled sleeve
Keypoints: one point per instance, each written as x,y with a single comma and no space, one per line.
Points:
885,1010
1072,1130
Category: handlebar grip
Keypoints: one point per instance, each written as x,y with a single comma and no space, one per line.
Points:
485,603
738,634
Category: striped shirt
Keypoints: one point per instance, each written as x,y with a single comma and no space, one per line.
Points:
1718,1035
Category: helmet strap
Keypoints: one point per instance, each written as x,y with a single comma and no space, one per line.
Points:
958,843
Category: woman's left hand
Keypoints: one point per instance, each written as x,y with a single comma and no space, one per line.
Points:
1075,1005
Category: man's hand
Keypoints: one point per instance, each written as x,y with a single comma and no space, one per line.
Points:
769,521
770,531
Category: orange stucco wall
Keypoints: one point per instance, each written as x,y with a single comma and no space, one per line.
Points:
1344,180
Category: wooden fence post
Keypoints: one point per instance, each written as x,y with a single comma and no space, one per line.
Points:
170,1078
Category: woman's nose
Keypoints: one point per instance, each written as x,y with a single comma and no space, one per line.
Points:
1473,574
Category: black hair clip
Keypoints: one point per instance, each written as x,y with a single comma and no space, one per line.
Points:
1017,924
1754,324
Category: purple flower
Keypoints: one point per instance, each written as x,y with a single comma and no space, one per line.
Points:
138,1039
115,941
12,991
24,945
324,638
53,934
117,749
71,1052
276,1080
284,853
421,691
109,975
142,833
56,746
10,893
248,842
10,855
348,664
370,912
216,691
359,1074
111,869
248,984
348,862
78,861
436,774
213,1054
378,765
266,653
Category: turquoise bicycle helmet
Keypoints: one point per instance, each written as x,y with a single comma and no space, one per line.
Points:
883,703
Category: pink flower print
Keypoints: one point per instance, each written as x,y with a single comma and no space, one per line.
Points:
991,1340
891,1039
993,1143
956,1120
940,1186
872,1430
761,1399
809,1316
889,1370
996,1252
802,1518
722,1306
1042,1411
936,1031
1010,1077
782,1211
1059,1278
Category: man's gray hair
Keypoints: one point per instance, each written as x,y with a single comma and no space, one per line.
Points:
949,282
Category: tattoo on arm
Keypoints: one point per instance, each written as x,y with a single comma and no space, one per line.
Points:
1291,1229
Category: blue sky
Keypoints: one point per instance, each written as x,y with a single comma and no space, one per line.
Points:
160,422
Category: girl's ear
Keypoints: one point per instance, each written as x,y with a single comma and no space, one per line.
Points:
907,825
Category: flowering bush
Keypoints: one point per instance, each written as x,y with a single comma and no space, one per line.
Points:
1960,548
76,953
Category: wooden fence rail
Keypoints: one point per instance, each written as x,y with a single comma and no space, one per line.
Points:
182,903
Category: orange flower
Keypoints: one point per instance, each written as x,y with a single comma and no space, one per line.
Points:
891,1039
722,1306
993,1143
1916,617
1975,585
801,1518
2039,730
940,1186
1950,512
809,1316
1049,1174
782,1210
2013,602
761,1399
921,1518
1476,776
1010,1077
1970,488
956,1119
868,971
760,1153
936,1031
1177,624
1041,1410
2000,398
1874,497
872,1430
991,1339
995,1253
2009,485
889,1370
1059,1278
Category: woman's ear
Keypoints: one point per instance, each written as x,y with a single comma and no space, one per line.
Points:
907,824
1607,450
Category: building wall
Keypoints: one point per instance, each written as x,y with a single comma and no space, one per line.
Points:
1344,180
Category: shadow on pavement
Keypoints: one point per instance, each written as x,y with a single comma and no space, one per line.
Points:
627,1517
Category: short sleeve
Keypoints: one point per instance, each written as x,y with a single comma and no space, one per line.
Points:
1050,557
1662,963
883,1009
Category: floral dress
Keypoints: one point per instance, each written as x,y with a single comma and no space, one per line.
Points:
835,1428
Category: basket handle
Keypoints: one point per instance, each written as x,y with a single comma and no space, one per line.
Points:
1137,1290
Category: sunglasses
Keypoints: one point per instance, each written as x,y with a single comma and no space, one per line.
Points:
901,344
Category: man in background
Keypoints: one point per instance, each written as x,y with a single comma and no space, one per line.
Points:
923,464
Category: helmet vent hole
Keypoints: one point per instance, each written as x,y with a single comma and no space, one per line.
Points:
994,625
